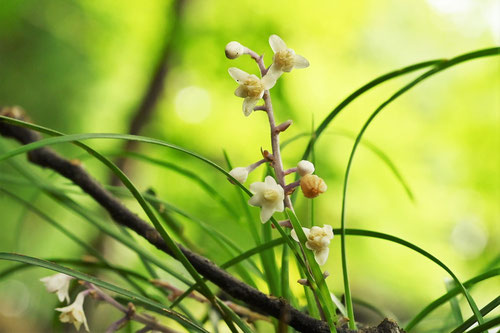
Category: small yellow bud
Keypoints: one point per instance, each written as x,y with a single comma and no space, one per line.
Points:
312,186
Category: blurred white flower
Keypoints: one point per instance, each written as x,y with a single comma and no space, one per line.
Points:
284,59
234,50
58,283
318,240
269,196
73,313
251,88
240,174
305,168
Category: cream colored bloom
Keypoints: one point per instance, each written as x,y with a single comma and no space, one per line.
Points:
251,88
318,240
234,50
59,284
240,174
284,59
269,196
305,168
73,313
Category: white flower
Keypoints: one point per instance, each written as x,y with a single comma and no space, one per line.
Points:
240,174
305,168
284,59
58,283
73,313
318,240
269,196
234,50
251,88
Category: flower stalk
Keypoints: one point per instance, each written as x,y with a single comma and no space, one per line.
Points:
238,309
130,313
265,194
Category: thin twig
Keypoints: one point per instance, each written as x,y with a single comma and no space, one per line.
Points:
240,310
129,311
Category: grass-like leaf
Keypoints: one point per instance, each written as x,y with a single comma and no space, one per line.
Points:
440,66
325,299
452,293
455,307
81,276
54,223
204,185
372,84
226,243
241,324
484,311
177,253
247,254
373,148
486,325
76,262
62,198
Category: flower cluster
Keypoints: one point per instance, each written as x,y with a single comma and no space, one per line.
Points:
251,88
271,195
73,313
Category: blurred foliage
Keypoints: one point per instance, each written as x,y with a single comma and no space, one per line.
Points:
83,66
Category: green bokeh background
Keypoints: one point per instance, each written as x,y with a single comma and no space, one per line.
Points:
82,66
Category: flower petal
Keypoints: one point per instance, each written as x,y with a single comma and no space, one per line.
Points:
321,255
328,229
240,174
237,74
280,206
80,317
307,231
270,181
257,187
296,238
265,213
300,62
241,91
272,75
277,44
255,200
248,105
73,313
59,284
63,295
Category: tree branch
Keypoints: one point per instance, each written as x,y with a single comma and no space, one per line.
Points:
47,158
155,87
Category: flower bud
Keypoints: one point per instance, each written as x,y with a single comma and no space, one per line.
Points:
283,126
312,186
240,174
305,168
234,50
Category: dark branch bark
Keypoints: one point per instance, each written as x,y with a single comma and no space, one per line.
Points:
47,158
